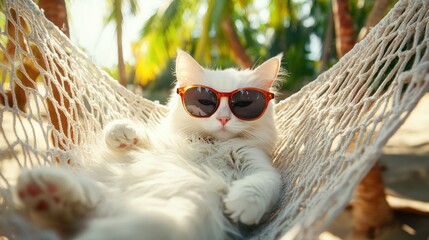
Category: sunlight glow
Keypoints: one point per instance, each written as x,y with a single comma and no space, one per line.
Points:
88,29
408,229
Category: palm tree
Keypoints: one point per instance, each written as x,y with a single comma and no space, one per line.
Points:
55,11
116,16
377,13
212,35
344,27
371,212
226,33
242,58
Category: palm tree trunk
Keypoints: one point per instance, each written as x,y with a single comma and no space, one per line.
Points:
371,211
121,64
55,11
376,14
18,38
27,72
327,43
344,28
201,54
243,60
17,97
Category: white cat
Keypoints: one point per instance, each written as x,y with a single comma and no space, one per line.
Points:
205,169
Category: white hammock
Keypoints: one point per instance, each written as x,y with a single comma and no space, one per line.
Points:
332,131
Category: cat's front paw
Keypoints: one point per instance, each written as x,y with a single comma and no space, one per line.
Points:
244,205
52,193
122,135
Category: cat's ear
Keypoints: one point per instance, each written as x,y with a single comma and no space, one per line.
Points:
267,72
188,71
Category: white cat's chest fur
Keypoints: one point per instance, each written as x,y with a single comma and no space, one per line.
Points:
174,161
222,158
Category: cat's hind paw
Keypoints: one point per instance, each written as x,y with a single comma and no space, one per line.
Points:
121,135
52,194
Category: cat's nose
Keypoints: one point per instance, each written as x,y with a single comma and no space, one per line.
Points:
223,120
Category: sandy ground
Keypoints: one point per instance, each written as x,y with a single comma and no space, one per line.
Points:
406,175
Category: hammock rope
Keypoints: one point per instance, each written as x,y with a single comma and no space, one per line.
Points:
332,130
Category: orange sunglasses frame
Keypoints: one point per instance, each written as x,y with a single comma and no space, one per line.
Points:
268,97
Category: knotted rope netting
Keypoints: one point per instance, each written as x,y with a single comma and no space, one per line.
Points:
332,131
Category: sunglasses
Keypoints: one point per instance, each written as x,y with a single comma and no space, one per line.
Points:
245,103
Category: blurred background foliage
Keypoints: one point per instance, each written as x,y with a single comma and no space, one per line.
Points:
241,33
221,34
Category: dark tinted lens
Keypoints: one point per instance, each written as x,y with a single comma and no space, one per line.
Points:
200,101
248,104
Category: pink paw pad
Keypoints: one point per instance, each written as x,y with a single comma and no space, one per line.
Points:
124,145
40,195
42,205
33,189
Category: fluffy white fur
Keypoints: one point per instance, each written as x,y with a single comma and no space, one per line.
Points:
192,178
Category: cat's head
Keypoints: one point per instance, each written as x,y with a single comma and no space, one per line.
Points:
223,124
